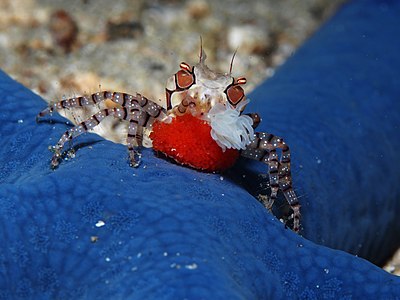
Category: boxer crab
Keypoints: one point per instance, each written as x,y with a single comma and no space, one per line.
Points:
216,99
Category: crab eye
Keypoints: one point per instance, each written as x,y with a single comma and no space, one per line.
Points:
234,94
184,79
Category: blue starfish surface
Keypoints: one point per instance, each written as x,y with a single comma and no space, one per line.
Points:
97,229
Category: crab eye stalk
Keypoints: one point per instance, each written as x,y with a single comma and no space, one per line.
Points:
234,94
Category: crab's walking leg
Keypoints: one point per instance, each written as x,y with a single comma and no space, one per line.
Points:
140,111
138,120
93,121
123,99
263,148
271,159
80,101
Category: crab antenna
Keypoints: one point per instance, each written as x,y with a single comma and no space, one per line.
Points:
233,57
203,55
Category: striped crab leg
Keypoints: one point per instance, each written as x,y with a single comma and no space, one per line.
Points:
263,148
83,127
123,99
138,110
141,118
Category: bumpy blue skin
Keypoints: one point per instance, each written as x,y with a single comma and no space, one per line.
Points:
172,233
337,104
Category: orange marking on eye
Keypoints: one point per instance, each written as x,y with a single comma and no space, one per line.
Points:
184,79
235,93
188,141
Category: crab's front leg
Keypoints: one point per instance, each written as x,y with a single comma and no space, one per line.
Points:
263,148
140,119
137,109
123,99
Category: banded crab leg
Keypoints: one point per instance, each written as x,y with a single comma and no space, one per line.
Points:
263,148
140,119
123,99
138,110
181,108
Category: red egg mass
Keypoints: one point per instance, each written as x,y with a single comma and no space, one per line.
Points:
188,141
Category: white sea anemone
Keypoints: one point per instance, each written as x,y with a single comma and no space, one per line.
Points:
230,129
